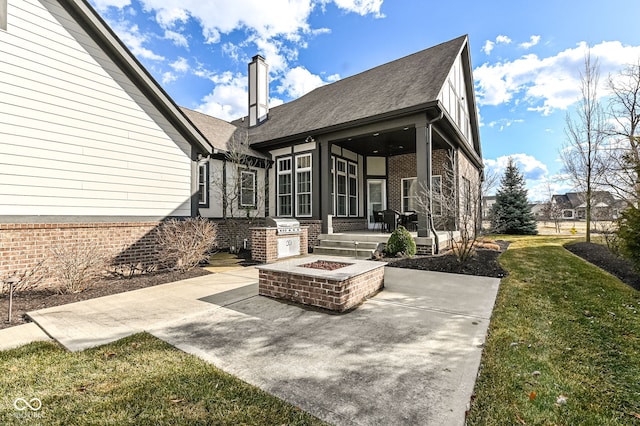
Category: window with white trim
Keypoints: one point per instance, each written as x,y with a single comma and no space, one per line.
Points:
341,187
247,188
353,189
409,194
203,184
436,200
333,185
303,185
345,193
284,187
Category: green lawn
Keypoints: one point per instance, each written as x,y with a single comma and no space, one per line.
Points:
139,380
563,345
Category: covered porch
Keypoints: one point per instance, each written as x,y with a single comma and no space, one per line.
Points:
382,166
362,244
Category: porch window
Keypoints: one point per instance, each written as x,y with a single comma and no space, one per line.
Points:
353,189
333,186
341,187
247,188
285,196
203,184
303,185
344,195
409,194
436,201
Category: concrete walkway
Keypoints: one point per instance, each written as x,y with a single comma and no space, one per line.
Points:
409,355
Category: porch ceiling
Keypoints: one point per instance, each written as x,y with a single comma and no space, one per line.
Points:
387,143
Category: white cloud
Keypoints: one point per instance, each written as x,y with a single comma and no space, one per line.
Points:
177,38
546,84
530,167
105,4
533,40
168,77
503,39
180,65
299,81
504,123
135,40
361,7
228,100
489,45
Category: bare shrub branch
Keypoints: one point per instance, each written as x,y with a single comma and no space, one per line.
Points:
25,279
183,244
76,265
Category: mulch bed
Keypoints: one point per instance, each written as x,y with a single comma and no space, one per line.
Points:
602,257
28,301
485,263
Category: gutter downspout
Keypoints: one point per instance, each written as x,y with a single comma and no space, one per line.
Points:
430,224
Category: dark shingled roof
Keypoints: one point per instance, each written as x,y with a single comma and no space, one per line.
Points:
406,83
219,133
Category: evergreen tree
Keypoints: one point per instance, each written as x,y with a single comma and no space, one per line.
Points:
511,211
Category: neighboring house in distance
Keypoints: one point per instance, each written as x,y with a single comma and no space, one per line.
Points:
487,206
92,148
572,205
370,141
538,210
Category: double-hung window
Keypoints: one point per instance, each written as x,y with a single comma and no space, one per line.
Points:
247,188
303,185
341,187
409,194
353,189
285,187
203,184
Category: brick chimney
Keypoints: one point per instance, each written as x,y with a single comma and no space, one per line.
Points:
258,91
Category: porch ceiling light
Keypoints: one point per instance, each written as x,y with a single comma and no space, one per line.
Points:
376,134
375,151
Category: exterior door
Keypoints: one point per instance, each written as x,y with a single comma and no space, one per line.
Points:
376,198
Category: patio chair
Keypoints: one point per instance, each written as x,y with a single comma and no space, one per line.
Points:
412,222
378,220
390,219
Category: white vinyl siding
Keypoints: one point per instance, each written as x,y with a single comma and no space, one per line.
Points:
453,97
3,15
78,137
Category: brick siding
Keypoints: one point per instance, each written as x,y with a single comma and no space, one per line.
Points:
264,243
23,245
325,293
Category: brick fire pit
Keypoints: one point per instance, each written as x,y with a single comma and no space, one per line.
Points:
337,284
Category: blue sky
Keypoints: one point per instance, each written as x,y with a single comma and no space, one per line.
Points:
526,56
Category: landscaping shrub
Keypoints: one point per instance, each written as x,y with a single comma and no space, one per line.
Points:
401,242
25,279
629,235
76,265
183,244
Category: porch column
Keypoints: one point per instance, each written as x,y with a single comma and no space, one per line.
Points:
325,184
423,167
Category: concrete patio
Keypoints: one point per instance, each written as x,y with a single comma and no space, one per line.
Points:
409,355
